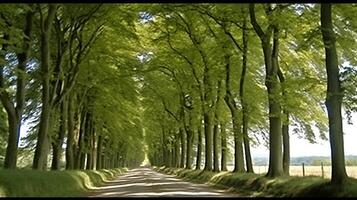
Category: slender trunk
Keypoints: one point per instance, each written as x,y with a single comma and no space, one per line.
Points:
12,142
70,135
215,148
177,150
223,147
172,153
199,147
285,127
99,153
248,156
117,164
286,145
15,115
208,141
89,160
189,148
57,144
183,147
229,99
93,149
102,161
82,159
238,140
333,99
40,156
88,141
79,156
215,129
169,158
174,162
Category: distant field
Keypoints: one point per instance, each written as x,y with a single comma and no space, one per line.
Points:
309,170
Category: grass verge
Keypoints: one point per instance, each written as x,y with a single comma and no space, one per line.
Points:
257,185
68,183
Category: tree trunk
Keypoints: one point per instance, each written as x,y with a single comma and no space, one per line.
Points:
223,147
215,148
183,147
58,142
333,99
82,159
70,135
199,148
14,114
79,156
238,140
286,145
93,149
89,161
41,151
12,142
99,153
215,129
208,141
275,134
245,111
189,148
229,99
248,156
177,150
272,84
88,141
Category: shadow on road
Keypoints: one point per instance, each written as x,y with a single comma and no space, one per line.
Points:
144,182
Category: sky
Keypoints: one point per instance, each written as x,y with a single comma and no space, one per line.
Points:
301,147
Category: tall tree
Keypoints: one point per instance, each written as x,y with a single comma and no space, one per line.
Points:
43,137
15,108
334,98
271,81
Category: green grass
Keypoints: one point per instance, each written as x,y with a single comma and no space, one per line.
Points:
68,183
257,185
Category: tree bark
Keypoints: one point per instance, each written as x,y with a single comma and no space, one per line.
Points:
238,138
215,148
41,151
199,147
223,147
189,148
208,141
333,98
177,150
286,145
70,135
99,153
89,144
272,84
79,155
245,111
58,142
216,129
183,147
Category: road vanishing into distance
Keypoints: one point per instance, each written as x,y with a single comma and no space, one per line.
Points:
145,182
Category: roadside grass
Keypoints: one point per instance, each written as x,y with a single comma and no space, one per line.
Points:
68,183
257,185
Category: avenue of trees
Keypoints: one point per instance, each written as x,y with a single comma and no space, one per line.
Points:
98,85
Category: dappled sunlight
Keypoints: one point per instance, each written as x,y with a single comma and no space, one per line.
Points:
144,182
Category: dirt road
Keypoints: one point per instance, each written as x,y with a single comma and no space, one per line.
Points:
144,182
